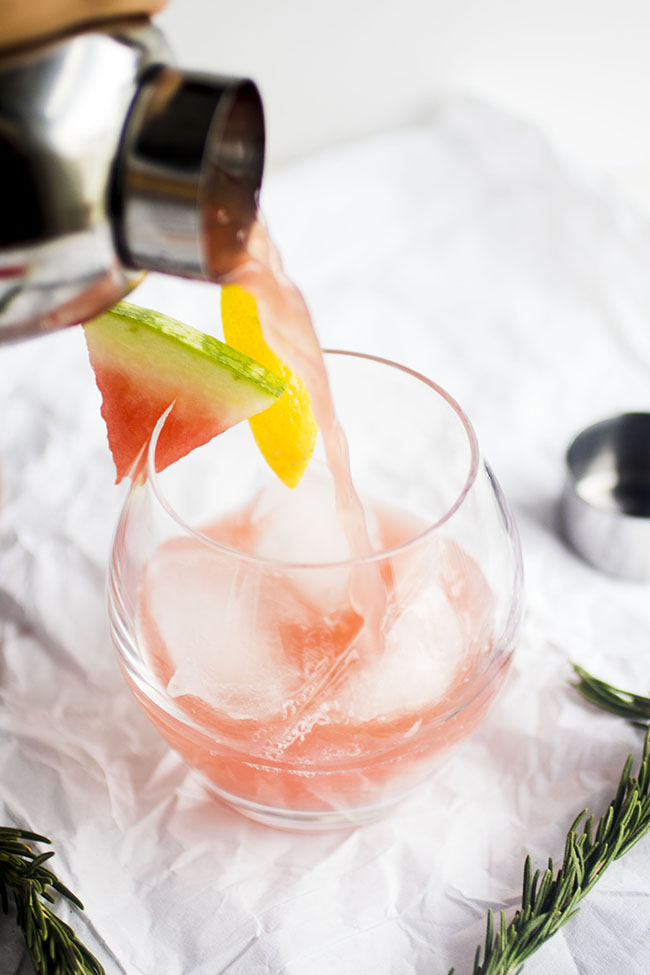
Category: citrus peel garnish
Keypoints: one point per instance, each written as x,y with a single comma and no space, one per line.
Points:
285,432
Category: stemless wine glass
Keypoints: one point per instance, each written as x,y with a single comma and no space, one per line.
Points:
309,688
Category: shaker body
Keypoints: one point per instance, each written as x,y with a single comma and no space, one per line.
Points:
115,162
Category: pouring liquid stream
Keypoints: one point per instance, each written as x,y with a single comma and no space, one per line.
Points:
289,331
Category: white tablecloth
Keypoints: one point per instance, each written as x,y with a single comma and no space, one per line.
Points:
469,249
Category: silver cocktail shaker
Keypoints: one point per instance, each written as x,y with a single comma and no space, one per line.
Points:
112,162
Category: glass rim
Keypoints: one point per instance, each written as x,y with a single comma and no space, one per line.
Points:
153,478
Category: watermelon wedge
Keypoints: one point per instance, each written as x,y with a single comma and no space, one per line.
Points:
144,361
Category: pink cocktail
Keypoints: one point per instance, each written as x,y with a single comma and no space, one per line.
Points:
312,688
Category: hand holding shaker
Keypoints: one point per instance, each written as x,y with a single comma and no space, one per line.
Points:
116,162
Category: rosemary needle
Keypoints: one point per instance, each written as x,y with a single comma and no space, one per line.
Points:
550,898
52,944
634,707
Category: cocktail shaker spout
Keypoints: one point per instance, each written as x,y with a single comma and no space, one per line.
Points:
115,162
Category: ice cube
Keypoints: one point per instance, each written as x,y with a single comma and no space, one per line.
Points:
210,618
425,640
300,525
421,657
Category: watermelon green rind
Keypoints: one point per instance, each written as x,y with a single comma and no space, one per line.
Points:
145,361
139,320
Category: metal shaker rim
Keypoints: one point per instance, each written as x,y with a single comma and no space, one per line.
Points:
606,497
189,173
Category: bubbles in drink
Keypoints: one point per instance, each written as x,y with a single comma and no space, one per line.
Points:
275,643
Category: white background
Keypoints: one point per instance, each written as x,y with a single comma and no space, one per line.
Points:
330,72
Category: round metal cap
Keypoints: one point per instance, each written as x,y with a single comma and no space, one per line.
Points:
189,173
606,499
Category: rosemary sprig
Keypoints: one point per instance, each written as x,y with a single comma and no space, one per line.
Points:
634,707
549,899
52,944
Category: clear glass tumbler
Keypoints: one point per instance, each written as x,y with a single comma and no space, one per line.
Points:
311,689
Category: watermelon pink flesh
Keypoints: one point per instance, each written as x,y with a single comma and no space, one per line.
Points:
143,362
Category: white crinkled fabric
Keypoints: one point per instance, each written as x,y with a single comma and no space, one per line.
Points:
520,284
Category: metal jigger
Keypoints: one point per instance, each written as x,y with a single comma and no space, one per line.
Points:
114,162
606,500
